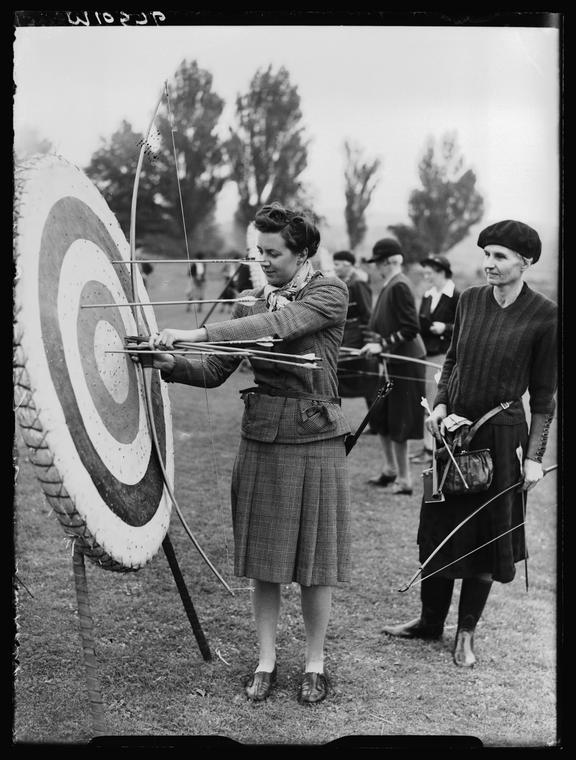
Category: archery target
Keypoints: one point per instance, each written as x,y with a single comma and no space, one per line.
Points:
82,408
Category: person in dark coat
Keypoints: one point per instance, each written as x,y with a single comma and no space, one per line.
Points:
290,488
503,345
436,316
355,376
394,328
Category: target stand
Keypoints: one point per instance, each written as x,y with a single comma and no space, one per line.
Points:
82,410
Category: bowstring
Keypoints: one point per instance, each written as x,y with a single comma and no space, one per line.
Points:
203,359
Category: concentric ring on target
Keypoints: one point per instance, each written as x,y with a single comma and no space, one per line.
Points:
90,403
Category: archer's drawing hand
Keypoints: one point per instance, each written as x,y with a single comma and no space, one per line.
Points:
166,338
435,423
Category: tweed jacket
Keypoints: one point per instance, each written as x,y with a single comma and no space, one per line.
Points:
444,312
396,320
312,323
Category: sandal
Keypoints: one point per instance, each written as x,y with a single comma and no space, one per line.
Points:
259,685
313,689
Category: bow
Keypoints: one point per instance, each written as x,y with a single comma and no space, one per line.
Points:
457,528
139,369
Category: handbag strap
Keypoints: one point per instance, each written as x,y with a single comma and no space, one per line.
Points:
485,417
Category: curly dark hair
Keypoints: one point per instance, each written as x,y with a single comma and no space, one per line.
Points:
299,232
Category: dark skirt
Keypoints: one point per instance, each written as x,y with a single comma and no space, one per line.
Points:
358,377
291,512
400,415
437,520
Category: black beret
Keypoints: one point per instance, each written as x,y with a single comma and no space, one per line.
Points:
385,248
344,256
517,236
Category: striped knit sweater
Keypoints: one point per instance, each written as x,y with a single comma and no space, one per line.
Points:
497,354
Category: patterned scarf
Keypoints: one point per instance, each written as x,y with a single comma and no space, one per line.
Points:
278,297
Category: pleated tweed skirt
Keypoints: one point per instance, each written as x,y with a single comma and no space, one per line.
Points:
291,512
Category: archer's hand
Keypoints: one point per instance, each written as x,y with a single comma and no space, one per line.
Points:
167,337
162,361
437,328
371,349
533,472
435,423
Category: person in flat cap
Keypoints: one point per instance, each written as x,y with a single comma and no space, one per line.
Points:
354,378
394,330
503,346
436,316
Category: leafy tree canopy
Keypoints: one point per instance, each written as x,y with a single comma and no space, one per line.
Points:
446,206
267,149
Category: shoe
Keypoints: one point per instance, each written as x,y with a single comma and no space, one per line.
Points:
415,629
399,489
382,480
313,689
259,685
463,654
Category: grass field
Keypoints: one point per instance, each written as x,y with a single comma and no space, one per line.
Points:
153,680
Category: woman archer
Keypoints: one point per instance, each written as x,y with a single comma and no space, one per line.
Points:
290,489
503,345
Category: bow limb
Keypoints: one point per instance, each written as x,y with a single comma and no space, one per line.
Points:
457,528
139,369
477,549
135,202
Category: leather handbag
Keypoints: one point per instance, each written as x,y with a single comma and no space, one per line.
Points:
465,471
472,473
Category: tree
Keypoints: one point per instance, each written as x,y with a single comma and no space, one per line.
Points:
267,150
447,205
361,178
177,193
113,168
199,165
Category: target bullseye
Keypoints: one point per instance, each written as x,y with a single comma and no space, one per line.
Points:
90,403
112,369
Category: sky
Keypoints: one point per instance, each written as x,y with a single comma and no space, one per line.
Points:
385,88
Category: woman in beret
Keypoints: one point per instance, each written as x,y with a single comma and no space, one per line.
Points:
503,344
290,490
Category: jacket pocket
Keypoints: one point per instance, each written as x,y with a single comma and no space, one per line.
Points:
261,415
316,418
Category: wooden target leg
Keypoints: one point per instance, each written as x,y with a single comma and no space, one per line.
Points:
86,632
186,600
